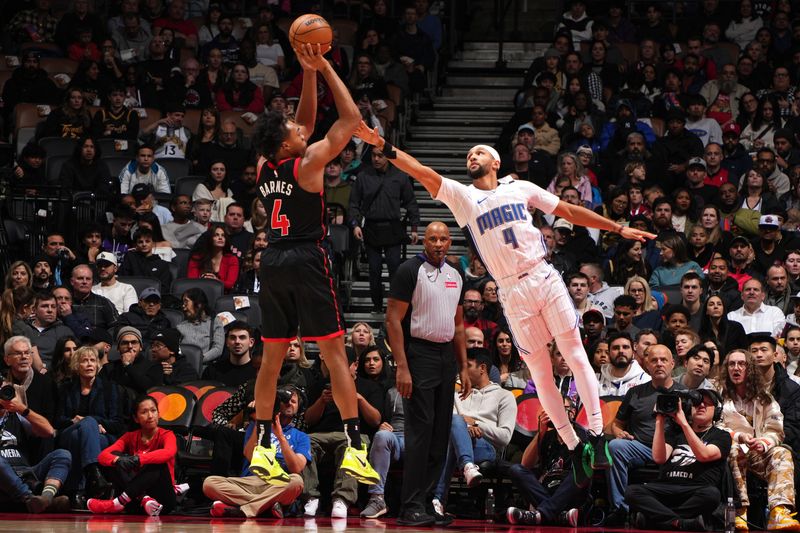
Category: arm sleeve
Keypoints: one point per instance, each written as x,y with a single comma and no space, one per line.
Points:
129,298
404,282
162,181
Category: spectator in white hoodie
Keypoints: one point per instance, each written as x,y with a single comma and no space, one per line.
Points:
623,372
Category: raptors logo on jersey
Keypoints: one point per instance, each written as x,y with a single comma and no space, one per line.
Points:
293,213
499,223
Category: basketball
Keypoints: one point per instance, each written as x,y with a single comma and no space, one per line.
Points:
310,29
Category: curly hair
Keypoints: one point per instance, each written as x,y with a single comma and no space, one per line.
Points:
271,131
755,388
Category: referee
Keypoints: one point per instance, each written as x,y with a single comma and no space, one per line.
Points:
426,333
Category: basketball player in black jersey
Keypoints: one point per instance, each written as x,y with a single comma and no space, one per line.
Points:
297,289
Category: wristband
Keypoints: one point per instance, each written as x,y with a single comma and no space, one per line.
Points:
26,412
388,150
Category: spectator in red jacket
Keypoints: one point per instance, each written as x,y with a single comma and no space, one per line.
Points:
239,93
141,464
212,258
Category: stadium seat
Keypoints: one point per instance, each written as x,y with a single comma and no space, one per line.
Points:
140,283
116,163
175,407
175,317
53,167
201,386
108,147
187,184
174,166
212,287
528,410
55,146
58,65
152,116
236,116
191,119
194,356
181,259
251,313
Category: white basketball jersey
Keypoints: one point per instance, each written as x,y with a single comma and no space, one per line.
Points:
498,222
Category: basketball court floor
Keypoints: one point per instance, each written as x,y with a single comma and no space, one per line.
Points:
86,523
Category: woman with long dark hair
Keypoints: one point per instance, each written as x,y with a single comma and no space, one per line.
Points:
715,325
90,80
86,171
216,188
754,191
214,73
372,365
505,357
71,120
766,121
239,93
212,258
628,261
207,133
675,263
62,358
199,325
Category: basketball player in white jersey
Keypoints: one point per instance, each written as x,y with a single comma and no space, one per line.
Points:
536,303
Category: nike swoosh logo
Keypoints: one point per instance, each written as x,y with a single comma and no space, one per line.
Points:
483,200
363,463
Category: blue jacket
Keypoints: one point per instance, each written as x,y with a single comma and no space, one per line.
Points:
106,405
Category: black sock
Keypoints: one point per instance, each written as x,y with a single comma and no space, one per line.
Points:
352,432
264,433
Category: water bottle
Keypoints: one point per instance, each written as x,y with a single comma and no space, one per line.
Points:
489,510
730,517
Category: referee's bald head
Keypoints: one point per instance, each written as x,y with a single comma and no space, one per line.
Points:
437,226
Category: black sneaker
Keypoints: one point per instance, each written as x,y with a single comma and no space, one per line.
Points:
582,465
442,520
601,456
639,521
415,519
692,524
569,518
515,515
616,518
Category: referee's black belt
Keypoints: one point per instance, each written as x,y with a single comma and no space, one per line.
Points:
417,340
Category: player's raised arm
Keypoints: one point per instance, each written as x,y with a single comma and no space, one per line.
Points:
306,114
425,175
584,217
318,154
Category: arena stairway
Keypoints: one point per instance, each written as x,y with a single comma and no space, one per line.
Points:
470,108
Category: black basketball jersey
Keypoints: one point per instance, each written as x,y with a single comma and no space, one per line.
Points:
293,213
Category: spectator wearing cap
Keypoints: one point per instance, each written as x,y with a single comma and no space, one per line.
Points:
144,170
546,138
147,316
677,148
118,240
706,129
740,265
145,203
594,326
99,339
239,366
132,370
771,246
776,381
122,295
143,262
615,133
165,350
755,315
168,136
723,95
735,158
28,84
540,164
696,176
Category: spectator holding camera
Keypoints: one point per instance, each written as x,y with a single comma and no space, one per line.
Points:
754,419
693,460
141,465
22,427
249,496
634,426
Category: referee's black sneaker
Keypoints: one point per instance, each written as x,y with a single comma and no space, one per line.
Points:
601,455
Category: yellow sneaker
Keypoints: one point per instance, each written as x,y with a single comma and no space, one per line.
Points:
355,464
780,519
741,522
264,465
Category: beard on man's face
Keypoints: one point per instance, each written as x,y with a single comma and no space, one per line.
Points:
479,173
472,314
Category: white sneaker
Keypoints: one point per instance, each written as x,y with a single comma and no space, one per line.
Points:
472,474
438,507
339,509
311,507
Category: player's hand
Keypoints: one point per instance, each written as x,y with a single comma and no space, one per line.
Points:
636,234
367,134
466,384
403,381
358,233
310,56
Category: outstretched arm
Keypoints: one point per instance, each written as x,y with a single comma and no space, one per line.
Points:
318,154
306,114
584,217
425,175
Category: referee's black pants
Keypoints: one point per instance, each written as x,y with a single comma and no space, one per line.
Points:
428,414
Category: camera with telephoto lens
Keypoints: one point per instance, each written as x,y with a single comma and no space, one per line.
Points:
7,393
667,401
